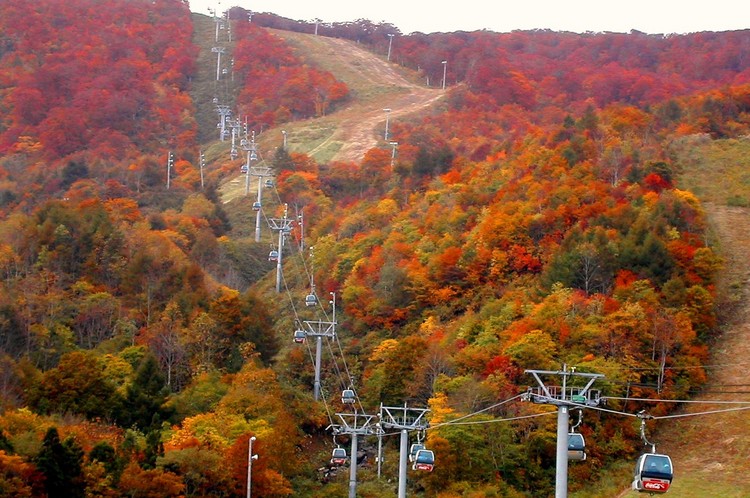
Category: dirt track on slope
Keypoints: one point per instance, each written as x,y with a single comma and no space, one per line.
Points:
347,133
375,84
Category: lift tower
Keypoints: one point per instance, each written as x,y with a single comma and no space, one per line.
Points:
261,172
404,419
283,226
564,397
354,424
319,330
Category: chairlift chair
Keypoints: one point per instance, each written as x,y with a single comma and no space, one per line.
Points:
311,300
338,456
653,473
415,447
576,447
348,397
424,460
300,336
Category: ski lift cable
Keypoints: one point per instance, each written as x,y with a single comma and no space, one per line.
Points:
716,402
690,367
710,412
495,420
477,412
346,367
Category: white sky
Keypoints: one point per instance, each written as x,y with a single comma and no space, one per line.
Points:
649,16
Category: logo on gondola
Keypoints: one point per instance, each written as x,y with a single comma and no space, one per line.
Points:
656,485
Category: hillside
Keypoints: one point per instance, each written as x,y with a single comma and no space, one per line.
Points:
577,200
348,133
711,450
691,442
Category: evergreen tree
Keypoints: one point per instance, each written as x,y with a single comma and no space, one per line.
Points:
144,403
5,444
61,465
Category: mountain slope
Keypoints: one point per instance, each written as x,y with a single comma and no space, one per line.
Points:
347,133
375,85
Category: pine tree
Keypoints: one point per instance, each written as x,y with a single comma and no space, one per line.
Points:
61,465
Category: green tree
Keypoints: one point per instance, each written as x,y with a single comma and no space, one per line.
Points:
144,403
77,385
61,465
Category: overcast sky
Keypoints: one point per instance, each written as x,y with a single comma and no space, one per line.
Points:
649,16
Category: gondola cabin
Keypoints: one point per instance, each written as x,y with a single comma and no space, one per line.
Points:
273,256
424,460
413,451
243,168
299,336
348,397
256,206
269,183
576,447
311,300
653,473
338,457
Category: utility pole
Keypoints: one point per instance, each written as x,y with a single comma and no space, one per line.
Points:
301,223
236,126
202,164
283,226
170,163
404,419
250,457
354,424
390,43
319,330
387,117
564,397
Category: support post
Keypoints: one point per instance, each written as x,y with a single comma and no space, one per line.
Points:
353,468
278,261
318,352
258,213
380,448
354,424
561,469
402,464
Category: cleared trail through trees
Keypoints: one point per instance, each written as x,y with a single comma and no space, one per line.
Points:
347,133
375,85
710,451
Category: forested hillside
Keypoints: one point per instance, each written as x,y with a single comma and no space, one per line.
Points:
537,215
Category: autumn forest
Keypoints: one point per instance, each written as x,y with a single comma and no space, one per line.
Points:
531,218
